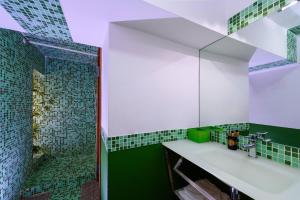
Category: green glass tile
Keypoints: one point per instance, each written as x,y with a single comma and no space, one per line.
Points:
281,156
253,13
39,17
287,162
258,153
295,150
287,148
288,158
295,155
295,164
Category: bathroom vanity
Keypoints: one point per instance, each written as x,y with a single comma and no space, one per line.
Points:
259,178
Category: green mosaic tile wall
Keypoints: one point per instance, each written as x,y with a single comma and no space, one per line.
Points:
143,139
280,153
62,43
63,54
38,91
39,17
62,176
276,64
69,111
291,46
67,55
254,12
17,61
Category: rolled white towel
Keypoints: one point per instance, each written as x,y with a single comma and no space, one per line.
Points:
208,187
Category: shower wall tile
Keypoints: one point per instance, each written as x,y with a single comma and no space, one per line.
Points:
69,117
292,44
17,61
39,17
77,52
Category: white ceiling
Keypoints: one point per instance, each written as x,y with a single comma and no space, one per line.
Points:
88,21
176,29
232,48
212,14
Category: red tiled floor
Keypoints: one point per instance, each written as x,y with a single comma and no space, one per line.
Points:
42,196
90,191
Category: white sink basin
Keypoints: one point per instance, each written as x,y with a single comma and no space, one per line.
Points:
249,170
259,178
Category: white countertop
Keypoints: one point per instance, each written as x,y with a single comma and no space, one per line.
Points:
259,178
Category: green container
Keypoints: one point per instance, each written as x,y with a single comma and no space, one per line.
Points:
199,135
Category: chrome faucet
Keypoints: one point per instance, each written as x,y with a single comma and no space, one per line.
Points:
252,139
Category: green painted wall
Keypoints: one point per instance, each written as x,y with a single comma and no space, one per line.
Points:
282,135
104,170
139,173
17,61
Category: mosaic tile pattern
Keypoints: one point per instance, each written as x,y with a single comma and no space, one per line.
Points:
291,46
254,12
280,63
63,54
17,61
62,43
221,137
38,92
277,152
39,17
67,55
69,115
143,139
63,176
295,30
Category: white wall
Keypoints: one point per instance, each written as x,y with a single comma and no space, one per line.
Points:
152,83
224,90
104,73
275,97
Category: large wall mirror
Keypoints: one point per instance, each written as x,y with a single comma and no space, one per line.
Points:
252,75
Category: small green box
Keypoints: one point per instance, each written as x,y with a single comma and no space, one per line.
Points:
199,135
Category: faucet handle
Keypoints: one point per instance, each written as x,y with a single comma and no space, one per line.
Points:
261,135
267,140
251,138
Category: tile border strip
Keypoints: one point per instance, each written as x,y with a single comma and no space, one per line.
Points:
292,44
130,141
143,139
271,65
254,12
279,153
